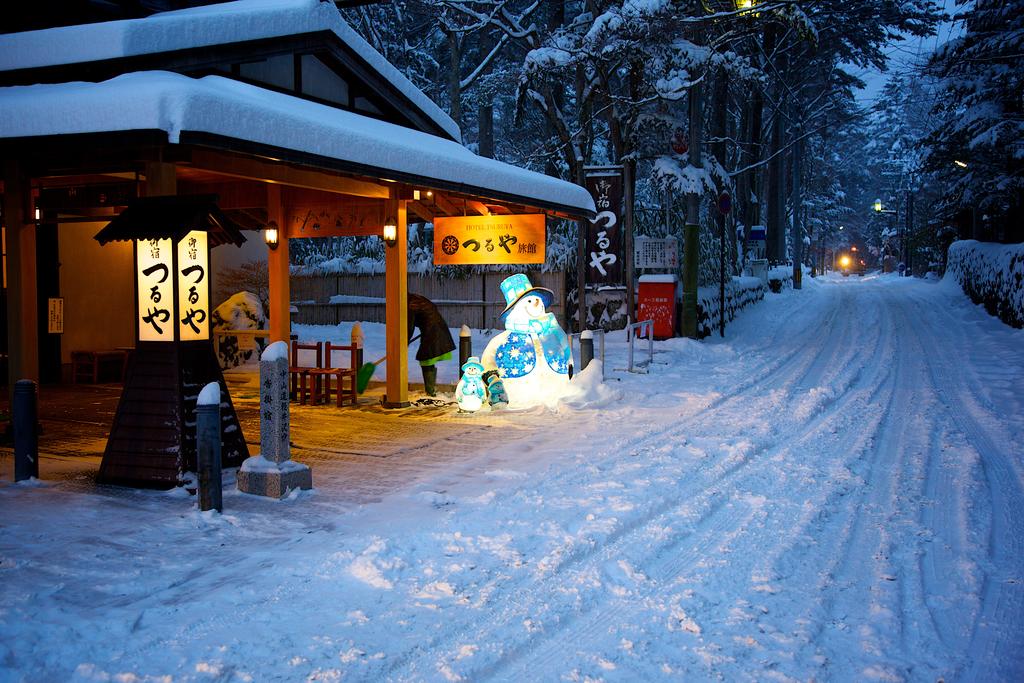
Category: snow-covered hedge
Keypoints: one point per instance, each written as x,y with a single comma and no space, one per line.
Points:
739,293
780,277
992,275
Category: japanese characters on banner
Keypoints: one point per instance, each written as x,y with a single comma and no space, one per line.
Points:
479,240
193,287
153,264
158,284
604,238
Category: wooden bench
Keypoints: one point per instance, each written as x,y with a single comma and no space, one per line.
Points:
344,385
299,374
92,366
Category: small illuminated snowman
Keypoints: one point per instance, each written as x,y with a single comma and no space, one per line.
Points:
470,392
532,355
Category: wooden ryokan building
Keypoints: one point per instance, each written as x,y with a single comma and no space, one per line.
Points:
277,108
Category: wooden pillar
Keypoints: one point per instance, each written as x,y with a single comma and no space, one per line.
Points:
396,288
22,314
161,178
277,265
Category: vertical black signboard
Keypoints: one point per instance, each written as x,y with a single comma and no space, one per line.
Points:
604,259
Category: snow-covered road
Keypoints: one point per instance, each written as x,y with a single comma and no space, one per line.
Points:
835,491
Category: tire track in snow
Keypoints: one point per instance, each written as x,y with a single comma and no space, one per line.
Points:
788,372
993,653
662,565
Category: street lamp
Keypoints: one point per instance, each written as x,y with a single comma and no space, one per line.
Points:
880,209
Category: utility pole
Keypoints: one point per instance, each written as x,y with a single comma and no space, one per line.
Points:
797,234
909,227
691,233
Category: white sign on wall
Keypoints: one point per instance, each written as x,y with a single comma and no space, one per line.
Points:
155,306
656,253
193,287
55,316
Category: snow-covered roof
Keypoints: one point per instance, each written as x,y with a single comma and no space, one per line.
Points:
232,110
219,24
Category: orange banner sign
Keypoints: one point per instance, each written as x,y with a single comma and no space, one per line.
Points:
479,240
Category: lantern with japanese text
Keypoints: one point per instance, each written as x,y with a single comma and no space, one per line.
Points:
151,442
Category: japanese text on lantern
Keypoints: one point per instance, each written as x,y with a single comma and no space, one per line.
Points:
193,288
477,240
155,306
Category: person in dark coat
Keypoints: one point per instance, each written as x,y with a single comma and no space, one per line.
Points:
436,343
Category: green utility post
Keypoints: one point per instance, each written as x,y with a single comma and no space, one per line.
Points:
690,255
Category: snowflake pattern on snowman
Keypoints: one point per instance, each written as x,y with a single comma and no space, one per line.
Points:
532,355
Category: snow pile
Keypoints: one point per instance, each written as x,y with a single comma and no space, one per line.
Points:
740,292
183,106
588,389
210,395
258,463
991,275
242,311
275,351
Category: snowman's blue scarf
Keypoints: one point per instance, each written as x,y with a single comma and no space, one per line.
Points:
552,338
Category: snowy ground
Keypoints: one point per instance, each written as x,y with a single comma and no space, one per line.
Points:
833,492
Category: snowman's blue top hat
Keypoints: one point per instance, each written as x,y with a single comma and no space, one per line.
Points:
515,287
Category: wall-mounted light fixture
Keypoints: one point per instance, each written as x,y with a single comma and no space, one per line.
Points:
270,235
390,233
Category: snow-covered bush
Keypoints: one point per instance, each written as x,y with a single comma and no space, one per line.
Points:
991,275
779,277
739,293
242,311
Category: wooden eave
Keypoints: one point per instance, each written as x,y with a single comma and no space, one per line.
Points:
205,159
397,107
309,160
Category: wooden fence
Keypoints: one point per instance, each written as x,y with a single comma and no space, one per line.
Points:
475,301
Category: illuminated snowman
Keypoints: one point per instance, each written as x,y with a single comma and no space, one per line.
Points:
532,355
470,392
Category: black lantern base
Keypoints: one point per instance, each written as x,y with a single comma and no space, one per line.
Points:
152,442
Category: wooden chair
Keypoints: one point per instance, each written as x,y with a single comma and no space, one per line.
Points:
298,374
344,384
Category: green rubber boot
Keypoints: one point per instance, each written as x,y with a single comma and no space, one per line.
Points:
429,379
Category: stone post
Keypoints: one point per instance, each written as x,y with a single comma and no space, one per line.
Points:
25,419
208,448
272,473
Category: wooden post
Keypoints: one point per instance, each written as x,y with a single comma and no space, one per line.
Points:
628,184
22,314
581,274
396,288
277,266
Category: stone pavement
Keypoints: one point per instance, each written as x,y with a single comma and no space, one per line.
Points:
358,453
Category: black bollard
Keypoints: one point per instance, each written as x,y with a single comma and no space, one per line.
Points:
25,417
465,347
586,349
209,462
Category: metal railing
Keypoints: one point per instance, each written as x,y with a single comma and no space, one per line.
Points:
643,330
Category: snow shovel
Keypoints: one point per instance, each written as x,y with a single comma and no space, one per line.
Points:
367,370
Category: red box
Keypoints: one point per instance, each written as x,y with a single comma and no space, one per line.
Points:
657,302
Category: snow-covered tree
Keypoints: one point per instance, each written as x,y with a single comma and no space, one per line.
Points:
979,147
